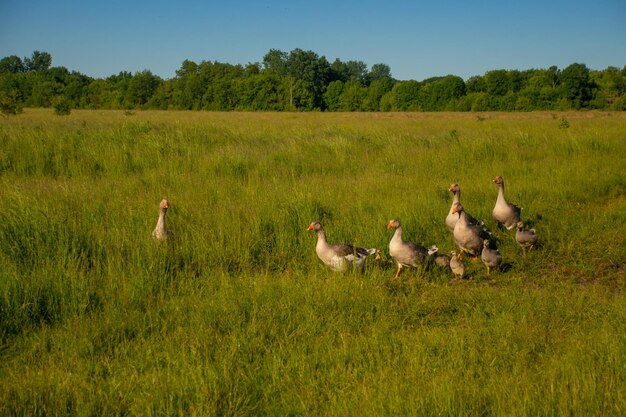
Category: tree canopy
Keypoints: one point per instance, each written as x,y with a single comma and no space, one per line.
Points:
302,80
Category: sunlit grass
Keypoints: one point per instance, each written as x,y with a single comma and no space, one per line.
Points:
237,316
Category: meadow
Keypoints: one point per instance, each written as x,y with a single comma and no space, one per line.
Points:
236,316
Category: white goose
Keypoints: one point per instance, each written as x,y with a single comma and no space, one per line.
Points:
505,213
161,232
339,257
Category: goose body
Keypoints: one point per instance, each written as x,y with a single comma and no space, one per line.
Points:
339,257
490,257
504,213
406,254
452,218
467,236
525,238
161,232
456,265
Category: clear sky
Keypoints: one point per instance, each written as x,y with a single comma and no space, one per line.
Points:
417,39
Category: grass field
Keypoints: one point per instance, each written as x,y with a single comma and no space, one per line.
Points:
236,315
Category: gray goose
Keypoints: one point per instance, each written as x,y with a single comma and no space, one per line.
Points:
467,236
490,257
338,257
504,213
525,238
452,217
456,265
404,253
161,232
440,259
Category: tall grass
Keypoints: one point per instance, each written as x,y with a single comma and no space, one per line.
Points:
237,316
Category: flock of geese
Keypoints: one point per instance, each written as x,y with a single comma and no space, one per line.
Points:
470,236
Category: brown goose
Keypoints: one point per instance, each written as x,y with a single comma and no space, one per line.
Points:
456,265
404,253
338,257
161,232
525,238
468,237
504,213
452,217
490,257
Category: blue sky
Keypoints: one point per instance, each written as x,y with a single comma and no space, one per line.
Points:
417,39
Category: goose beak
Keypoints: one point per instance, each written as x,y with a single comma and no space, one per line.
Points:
389,226
451,187
310,227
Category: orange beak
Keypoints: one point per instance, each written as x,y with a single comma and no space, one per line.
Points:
165,205
389,226
451,187
310,227
454,210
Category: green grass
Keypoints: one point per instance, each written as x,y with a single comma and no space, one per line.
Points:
237,316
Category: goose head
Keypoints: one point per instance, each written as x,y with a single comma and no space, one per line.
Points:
498,180
315,226
164,205
454,188
393,224
458,208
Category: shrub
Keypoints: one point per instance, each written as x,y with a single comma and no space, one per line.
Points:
9,104
61,106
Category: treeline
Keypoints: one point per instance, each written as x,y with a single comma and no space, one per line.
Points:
303,81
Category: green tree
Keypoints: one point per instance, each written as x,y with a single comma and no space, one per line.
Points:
375,92
406,95
98,95
141,87
497,82
348,71
12,64
162,97
39,61
540,89
611,85
476,84
260,92
440,93
313,73
575,85
379,72
352,96
276,62
332,95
